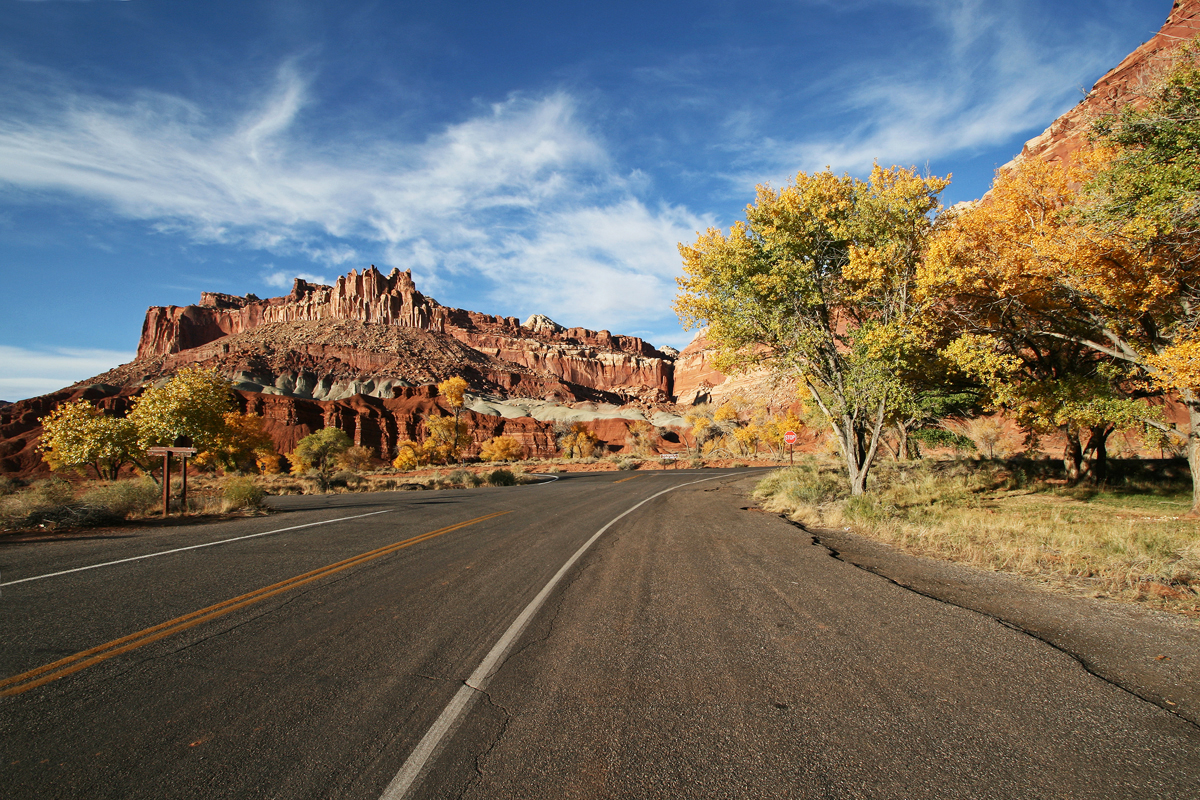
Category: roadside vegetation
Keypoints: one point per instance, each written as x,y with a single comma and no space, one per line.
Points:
1065,301
1123,541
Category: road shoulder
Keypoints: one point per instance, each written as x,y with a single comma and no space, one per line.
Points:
1152,654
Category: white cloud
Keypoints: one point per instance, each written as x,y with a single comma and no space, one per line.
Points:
522,193
989,76
29,373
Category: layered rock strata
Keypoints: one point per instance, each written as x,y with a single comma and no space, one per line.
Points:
622,365
375,422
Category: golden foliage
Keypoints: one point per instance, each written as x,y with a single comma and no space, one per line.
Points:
501,448
240,445
454,391
193,403
578,441
78,434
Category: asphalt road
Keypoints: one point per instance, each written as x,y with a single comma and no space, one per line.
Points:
697,649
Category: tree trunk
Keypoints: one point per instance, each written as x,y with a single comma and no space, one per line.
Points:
902,445
1073,458
1193,448
1097,445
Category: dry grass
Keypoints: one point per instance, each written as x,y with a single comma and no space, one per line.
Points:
1127,542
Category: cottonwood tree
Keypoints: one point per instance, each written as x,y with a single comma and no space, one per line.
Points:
995,270
1087,291
501,448
77,435
193,404
318,452
449,434
817,283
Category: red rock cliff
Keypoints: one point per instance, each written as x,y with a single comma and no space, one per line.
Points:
1069,132
594,359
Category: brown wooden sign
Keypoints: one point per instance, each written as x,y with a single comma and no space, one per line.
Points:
166,453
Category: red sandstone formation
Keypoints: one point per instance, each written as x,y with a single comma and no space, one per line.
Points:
374,422
1069,132
362,355
598,360
695,376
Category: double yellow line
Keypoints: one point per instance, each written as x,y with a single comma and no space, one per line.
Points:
71,664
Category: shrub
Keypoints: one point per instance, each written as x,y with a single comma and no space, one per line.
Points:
242,493
464,477
125,498
502,477
356,458
940,437
989,435
9,485
345,479
628,463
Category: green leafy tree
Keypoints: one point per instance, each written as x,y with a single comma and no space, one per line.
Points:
817,283
318,453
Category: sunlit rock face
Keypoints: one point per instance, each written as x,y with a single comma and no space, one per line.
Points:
624,366
1068,133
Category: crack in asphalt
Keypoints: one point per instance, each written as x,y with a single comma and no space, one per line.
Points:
835,554
491,701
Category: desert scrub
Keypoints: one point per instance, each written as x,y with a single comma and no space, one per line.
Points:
52,504
125,498
242,493
502,477
1125,542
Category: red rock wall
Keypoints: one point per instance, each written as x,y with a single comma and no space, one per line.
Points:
1069,132
595,359
373,422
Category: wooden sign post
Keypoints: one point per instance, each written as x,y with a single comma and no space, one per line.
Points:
183,449
790,437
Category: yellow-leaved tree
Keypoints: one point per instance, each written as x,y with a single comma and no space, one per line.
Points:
502,448
192,404
817,284
77,435
1002,271
242,445
449,435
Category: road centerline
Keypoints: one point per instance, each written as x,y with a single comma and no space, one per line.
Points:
63,667
189,547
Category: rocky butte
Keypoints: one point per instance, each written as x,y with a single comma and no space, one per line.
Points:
620,366
362,355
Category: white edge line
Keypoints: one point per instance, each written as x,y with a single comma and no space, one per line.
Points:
190,547
452,714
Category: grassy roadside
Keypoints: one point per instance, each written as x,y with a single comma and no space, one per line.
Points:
1126,542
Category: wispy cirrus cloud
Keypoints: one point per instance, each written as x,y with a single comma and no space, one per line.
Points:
985,74
26,372
522,193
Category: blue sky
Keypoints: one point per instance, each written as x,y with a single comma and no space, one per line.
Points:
523,157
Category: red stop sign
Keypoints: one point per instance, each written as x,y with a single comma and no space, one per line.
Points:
790,437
